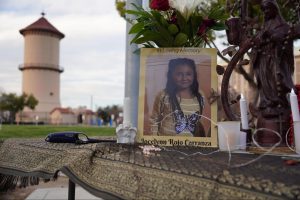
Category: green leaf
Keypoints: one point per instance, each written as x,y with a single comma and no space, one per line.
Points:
137,36
164,33
163,21
156,37
147,36
195,21
136,28
217,13
142,40
219,27
140,8
156,15
149,24
162,43
138,13
181,21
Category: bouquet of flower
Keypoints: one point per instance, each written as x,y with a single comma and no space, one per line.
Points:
176,23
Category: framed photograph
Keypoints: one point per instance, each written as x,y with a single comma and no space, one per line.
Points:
174,92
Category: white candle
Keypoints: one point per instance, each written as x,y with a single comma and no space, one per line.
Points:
297,136
126,111
294,106
244,113
229,135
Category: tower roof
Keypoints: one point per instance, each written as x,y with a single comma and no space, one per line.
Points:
42,24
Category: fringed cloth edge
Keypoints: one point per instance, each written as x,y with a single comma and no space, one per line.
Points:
12,179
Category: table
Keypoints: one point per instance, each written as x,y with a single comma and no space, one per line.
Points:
120,171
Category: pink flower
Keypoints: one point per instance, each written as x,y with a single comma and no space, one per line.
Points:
161,5
173,19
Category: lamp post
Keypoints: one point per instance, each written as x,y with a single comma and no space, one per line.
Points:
132,67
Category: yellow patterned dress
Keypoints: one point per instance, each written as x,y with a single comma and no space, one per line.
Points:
165,122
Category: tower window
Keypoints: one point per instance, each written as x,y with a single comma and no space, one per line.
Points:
51,93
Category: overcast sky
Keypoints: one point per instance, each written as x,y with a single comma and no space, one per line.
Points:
92,53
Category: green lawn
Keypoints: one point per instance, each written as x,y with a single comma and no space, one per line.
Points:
28,131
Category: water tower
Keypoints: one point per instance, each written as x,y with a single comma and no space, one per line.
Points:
41,70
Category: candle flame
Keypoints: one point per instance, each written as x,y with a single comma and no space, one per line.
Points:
242,96
292,91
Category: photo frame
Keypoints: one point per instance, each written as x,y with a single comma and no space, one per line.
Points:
171,111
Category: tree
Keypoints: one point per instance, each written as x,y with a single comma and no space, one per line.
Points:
106,112
120,6
31,102
14,103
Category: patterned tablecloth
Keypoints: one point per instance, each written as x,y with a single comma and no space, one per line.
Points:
112,170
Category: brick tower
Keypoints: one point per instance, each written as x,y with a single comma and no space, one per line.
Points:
41,70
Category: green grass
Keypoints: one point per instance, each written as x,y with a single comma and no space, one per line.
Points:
30,131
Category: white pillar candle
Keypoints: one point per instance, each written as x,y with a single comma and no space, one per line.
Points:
294,106
244,113
297,136
126,111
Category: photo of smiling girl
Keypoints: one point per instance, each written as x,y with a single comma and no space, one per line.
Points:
177,109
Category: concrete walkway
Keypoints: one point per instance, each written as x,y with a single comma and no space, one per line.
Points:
60,194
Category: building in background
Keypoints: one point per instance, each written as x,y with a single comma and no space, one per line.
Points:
63,116
86,116
40,69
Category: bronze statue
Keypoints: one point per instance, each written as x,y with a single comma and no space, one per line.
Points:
273,65
272,61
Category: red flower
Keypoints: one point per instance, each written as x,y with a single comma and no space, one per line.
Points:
207,23
161,5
